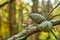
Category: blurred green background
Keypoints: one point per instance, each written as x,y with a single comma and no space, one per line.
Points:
14,17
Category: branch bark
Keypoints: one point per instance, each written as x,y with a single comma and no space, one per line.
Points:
55,22
25,33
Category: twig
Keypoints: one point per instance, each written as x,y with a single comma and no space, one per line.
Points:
54,35
2,5
52,10
54,16
55,22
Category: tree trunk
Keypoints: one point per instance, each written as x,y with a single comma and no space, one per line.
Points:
43,8
35,10
0,23
35,6
20,16
0,27
46,7
12,19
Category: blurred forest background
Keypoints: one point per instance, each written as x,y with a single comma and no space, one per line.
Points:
14,17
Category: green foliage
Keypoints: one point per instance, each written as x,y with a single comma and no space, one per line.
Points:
2,1
43,35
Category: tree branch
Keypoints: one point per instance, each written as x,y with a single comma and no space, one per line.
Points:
54,35
25,33
52,10
1,5
31,30
55,22
54,16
